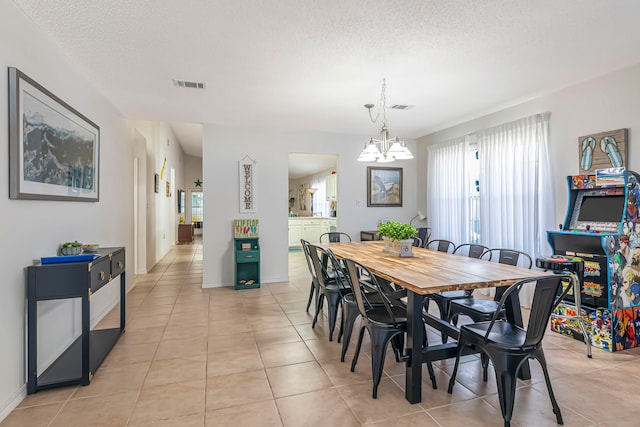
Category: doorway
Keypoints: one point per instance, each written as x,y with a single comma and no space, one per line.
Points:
196,210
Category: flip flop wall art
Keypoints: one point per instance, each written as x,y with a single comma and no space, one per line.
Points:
602,150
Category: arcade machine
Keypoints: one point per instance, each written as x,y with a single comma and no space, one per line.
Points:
602,227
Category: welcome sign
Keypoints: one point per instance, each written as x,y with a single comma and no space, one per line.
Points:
246,170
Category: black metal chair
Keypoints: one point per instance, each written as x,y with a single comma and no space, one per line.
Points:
314,281
335,237
440,245
481,309
424,233
510,346
417,242
329,286
443,299
373,299
384,324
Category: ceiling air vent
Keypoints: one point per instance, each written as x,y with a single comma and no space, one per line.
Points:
401,107
193,85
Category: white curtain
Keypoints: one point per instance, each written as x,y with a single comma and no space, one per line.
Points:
516,187
448,196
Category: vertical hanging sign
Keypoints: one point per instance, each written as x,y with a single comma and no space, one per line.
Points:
247,172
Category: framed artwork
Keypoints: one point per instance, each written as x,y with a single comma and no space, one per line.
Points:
602,150
384,186
181,201
156,183
167,188
53,149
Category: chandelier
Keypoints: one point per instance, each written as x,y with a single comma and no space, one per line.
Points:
383,150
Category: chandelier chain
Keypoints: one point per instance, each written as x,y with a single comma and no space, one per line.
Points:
383,105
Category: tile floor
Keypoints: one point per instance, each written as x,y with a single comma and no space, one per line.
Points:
219,357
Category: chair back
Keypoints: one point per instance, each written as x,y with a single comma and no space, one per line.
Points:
335,237
353,267
508,256
319,260
441,245
417,242
471,250
545,299
424,233
307,256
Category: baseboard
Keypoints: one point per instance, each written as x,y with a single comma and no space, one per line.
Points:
13,402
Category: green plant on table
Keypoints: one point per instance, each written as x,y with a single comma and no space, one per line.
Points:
73,244
395,230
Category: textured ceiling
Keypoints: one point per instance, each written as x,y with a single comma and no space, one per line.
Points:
303,64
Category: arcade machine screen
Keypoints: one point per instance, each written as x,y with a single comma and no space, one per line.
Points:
601,209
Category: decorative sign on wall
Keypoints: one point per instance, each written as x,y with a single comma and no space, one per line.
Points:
245,228
246,173
603,150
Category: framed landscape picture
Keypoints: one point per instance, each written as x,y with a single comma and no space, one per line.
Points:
53,149
384,186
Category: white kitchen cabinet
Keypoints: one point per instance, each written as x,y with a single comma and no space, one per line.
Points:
332,187
311,230
295,233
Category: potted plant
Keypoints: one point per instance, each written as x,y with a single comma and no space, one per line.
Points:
398,237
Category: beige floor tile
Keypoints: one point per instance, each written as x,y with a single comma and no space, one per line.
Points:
177,332
237,389
188,318
129,354
262,413
32,416
54,395
323,349
285,354
114,379
295,379
317,408
232,362
175,370
147,321
235,342
195,348
533,407
196,420
470,413
141,336
106,410
227,327
170,401
390,403
418,419
275,336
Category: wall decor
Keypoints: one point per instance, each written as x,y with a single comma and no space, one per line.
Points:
53,149
602,150
302,197
156,182
181,201
198,183
246,174
384,186
167,189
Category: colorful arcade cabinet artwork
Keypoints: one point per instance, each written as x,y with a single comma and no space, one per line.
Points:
602,227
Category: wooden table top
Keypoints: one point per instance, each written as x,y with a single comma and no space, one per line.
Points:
430,271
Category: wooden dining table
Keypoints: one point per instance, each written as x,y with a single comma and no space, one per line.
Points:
426,272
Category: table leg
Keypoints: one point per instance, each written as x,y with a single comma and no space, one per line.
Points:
514,315
415,331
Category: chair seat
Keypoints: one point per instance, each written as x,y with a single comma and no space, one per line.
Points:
503,334
484,306
380,315
453,294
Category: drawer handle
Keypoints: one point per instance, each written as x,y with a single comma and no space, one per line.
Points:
248,256
119,264
102,275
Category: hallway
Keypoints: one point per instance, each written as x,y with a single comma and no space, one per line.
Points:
220,357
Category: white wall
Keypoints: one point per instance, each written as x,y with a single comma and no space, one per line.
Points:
606,103
270,149
32,229
161,216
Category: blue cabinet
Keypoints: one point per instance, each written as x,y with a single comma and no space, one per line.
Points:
247,263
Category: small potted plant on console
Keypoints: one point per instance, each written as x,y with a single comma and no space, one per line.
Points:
398,237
